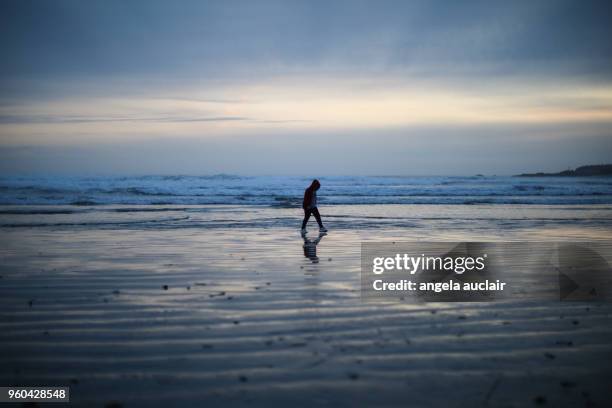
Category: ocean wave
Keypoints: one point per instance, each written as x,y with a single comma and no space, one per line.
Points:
287,192
144,209
83,202
37,212
91,223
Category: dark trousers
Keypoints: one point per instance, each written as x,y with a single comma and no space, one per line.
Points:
316,214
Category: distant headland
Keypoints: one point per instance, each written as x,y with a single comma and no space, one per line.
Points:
584,171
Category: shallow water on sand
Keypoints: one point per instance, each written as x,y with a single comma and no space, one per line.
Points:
228,307
386,221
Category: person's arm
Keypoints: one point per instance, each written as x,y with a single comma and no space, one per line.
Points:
307,199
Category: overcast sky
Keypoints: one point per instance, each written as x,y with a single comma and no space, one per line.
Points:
302,87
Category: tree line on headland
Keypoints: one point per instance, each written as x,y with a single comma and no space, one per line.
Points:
583,171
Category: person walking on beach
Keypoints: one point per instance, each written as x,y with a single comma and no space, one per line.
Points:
310,206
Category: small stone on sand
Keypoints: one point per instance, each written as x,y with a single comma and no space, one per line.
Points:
567,384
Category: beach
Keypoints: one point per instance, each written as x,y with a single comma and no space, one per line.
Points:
159,161
182,305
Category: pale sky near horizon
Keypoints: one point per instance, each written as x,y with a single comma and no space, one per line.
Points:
300,87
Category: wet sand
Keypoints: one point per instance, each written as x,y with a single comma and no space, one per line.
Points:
248,317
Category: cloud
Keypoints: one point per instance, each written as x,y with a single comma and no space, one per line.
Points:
239,39
424,150
252,86
57,119
297,104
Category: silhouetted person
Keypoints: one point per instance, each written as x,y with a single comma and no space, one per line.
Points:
310,206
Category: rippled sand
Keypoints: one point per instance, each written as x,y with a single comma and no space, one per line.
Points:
246,316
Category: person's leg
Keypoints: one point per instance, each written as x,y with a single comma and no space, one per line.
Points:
306,218
315,211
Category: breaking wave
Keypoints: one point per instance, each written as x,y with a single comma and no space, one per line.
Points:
286,192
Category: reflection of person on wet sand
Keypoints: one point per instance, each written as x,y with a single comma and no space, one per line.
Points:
310,247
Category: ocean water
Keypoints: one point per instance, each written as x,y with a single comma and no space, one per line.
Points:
424,207
288,191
